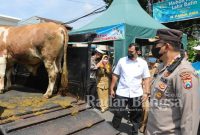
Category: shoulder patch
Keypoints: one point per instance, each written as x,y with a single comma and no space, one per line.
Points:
187,80
187,84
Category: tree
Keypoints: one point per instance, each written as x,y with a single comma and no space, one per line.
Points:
191,43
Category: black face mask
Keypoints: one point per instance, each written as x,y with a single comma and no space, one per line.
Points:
130,56
155,52
98,59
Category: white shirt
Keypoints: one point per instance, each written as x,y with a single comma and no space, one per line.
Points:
131,74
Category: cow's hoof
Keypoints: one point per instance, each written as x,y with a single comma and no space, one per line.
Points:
46,96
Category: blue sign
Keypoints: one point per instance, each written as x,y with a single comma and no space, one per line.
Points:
114,32
176,10
196,66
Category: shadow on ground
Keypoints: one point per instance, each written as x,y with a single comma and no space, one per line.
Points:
2,110
124,128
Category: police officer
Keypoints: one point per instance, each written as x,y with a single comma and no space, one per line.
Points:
152,62
92,85
174,103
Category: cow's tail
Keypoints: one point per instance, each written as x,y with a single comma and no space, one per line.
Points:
64,75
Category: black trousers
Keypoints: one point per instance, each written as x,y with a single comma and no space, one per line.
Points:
135,108
92,92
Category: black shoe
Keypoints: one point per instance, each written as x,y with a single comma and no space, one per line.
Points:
116,122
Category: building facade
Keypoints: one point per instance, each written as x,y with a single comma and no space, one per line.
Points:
8,20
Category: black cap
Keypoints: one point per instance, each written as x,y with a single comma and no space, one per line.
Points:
164,35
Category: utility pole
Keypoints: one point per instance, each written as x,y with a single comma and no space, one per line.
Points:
150,7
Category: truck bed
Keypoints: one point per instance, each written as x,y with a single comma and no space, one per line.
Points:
28,113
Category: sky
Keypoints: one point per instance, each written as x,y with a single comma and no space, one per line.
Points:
61,10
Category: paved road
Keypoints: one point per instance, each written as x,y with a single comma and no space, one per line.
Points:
125,128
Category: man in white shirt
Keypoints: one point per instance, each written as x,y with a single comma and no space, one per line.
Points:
130,71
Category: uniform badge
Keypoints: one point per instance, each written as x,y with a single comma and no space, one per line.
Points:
162,86
185,75
166,74
159,94
187,80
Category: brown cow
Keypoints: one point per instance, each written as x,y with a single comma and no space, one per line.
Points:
31,44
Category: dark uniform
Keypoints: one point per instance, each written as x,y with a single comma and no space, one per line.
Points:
174,103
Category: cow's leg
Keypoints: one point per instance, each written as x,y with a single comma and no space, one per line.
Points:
59,61
52,71
2,73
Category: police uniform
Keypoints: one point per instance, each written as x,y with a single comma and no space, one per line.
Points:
92,85
174,103
153,69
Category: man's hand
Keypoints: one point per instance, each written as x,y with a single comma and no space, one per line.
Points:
112,93
98,64
146,87
112,85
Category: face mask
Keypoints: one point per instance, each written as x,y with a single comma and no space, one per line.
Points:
98,59
104,61
155,52
152,60
130,56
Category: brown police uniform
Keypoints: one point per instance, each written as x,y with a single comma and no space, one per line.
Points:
153,69
174,103
145,105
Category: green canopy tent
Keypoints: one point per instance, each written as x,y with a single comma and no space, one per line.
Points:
129,19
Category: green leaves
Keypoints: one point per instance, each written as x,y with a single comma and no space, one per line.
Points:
192,42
